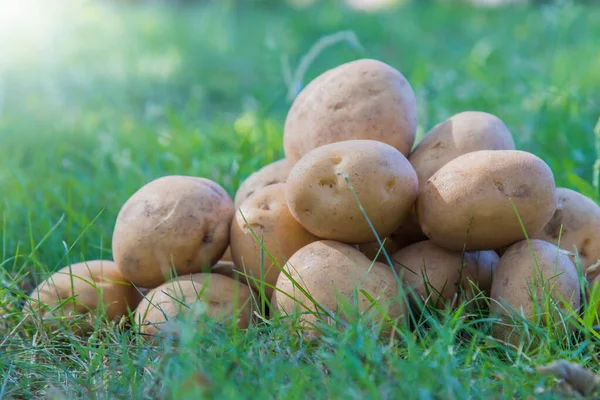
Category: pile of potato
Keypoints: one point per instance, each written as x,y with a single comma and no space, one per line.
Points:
460,215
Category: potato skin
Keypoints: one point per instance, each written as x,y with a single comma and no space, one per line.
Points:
223,297
325,268
470,198
178,221
270,174
267,213
91,283
320,198
517,276
460,134
579,217
363,99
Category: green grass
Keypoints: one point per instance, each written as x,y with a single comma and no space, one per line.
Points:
111,96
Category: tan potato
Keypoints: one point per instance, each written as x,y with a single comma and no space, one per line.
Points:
84,288
460,134
172,224
225,268
467,203
320,198
267,214
408,233
227,255
364,99
576,223
270,174
524,285
331,272
217,296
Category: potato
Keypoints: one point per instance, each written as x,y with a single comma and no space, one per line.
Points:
84,288
480,267
320,198
227,255
328,269
436,274
172,224
579,219
522,284
364,99
467,203
217,296
460,134
267,214
225,268
270,174
408,233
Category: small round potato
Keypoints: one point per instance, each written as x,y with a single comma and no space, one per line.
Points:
363,99
84,288
525,285
174,222
276,172
576,223
320,198
330,272
408,233
460,134
267,215
469,202
217,296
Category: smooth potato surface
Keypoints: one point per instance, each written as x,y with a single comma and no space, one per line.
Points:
270,174
320,198
89,285
266,213
215,295
460,134
363,99
576,223
468,203
524,285
328,270
172,224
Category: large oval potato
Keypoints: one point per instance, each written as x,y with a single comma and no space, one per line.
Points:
460,134
84,288
531,277
332,273
172,224
576,223
270,174
221,298
267,214
320,198
364,99
468,203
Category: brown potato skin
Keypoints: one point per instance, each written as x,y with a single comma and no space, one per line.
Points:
363,99
223,295
320,198
579,217
174,220
84,281
517,276
270,174
325,268
460,134
267,213
470,198
227,255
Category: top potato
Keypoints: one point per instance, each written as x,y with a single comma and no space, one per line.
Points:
576,224
364,99
469,201
270,174
319,197
179,222
460,134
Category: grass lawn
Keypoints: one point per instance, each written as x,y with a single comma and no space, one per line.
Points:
102,98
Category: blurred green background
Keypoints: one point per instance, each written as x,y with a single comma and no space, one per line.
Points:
98,98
